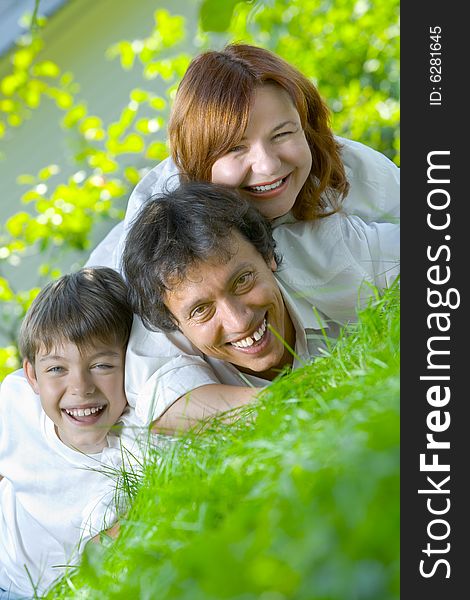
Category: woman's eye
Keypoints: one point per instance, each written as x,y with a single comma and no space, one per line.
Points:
283,134
238,148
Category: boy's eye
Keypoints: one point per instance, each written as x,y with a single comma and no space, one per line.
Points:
55,369
103,366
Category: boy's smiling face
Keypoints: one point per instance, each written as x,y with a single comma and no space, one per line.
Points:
81,392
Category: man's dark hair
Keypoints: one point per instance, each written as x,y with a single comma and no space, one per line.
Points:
178,229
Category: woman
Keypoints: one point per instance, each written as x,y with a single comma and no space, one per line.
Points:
245,118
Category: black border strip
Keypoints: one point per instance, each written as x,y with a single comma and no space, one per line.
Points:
434,123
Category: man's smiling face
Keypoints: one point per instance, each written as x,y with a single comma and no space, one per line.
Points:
224,308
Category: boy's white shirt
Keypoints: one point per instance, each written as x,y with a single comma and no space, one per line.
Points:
53,499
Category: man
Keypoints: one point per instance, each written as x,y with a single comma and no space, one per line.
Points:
202,267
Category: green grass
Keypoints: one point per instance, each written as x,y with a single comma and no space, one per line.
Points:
297,500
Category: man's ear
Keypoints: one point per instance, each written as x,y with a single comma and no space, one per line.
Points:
273,264
30,373
175,321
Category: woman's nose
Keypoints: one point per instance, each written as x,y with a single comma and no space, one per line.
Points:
265,161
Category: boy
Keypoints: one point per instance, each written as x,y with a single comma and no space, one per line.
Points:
58,441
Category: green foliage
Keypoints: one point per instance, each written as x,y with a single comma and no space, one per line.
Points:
299,499
350,49
215,15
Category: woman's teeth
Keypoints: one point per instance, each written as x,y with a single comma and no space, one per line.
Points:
250,340
267,188
83,412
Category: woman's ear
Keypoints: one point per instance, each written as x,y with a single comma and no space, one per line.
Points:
30,373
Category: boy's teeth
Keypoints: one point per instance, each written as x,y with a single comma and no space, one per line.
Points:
83,412
266,188
250,340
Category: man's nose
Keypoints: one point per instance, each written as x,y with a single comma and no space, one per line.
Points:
236,317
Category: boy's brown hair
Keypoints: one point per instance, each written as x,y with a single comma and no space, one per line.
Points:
83,307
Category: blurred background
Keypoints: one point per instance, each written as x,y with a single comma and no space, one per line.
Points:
85,91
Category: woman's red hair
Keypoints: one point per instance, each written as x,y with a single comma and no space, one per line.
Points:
210,114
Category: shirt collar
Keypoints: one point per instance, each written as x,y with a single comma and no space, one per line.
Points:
310,328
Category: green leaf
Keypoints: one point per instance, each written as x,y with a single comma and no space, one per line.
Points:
47,68
64,99
169,27
6,293
32,97
7,105
215,15
127,55
91,123
100,160
16,224
132,175
48,171
138,95
23,58
26,179
157,103
132,143
74,115
9,360
15,120
10,84
157,151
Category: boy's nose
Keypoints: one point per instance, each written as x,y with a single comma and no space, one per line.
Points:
82,386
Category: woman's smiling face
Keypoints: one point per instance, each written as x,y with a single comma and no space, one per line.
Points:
272,160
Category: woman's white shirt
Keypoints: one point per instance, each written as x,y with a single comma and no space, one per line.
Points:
374,195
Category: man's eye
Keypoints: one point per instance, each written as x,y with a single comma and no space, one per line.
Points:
244,280
199,311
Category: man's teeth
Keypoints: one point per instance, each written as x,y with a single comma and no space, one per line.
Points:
267,188
83,412
250,340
